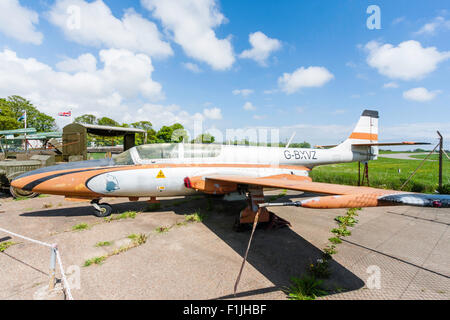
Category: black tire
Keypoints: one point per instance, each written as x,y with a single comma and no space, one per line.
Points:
17,193
106,210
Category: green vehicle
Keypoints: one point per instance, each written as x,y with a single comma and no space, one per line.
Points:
11,169
11,146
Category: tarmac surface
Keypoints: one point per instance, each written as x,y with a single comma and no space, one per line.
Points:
393,252
404,156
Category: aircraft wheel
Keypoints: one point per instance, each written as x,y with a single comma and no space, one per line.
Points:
17,193
105,210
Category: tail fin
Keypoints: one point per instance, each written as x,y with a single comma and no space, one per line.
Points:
366,131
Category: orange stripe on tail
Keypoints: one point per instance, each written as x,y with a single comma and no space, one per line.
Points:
364,136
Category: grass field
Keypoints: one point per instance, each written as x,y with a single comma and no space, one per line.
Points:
96,155
408,151
384,173
432,157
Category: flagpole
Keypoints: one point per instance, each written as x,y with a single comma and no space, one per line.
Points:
26,142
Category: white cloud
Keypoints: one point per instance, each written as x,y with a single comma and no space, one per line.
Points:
249,106
84,63
304,78
243,92
262,47
433,26
192,23
99,27
123,76
390,85
192,67
425,131
259,117
408,61
398,20
328,134
362,76
213,114
420,94
19,22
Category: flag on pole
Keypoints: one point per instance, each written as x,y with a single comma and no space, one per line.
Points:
23,117
65,114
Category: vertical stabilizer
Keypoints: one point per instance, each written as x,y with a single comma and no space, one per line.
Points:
366,131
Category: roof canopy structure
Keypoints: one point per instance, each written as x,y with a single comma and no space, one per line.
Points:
106,131
75,137
18,131
40,136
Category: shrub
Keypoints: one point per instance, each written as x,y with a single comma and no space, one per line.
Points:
5,245
335,240
80,227
305,288
418,187
103,244
320,269
445,189
96,260
195,217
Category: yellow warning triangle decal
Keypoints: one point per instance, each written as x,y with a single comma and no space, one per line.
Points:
161,175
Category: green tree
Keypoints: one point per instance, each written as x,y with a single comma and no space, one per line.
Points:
8,120
304,145
105,121
174,133
151,133
86,119
35,119
204,138
144,125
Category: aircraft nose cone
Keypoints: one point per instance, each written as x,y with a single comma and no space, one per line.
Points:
33,180
18,183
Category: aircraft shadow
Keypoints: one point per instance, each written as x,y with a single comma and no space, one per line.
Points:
88,210
279,254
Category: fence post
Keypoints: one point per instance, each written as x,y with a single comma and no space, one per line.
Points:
51,284
441,148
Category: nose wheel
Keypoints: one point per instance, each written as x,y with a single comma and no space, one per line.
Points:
101,210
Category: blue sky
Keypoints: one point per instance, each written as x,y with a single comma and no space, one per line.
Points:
312,68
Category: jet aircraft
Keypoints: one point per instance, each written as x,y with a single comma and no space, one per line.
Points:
167,170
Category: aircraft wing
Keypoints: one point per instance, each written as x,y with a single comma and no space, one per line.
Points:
336,196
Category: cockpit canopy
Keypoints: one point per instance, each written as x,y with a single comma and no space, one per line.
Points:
145,153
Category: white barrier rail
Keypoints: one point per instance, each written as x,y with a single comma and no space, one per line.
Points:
55,255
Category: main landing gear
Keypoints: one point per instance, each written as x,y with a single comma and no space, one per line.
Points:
266,219
102,210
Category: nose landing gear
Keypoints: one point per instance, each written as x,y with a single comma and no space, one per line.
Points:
101,210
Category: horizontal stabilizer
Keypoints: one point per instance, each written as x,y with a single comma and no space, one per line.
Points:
381,144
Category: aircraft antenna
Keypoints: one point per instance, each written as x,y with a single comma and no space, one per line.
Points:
290,140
